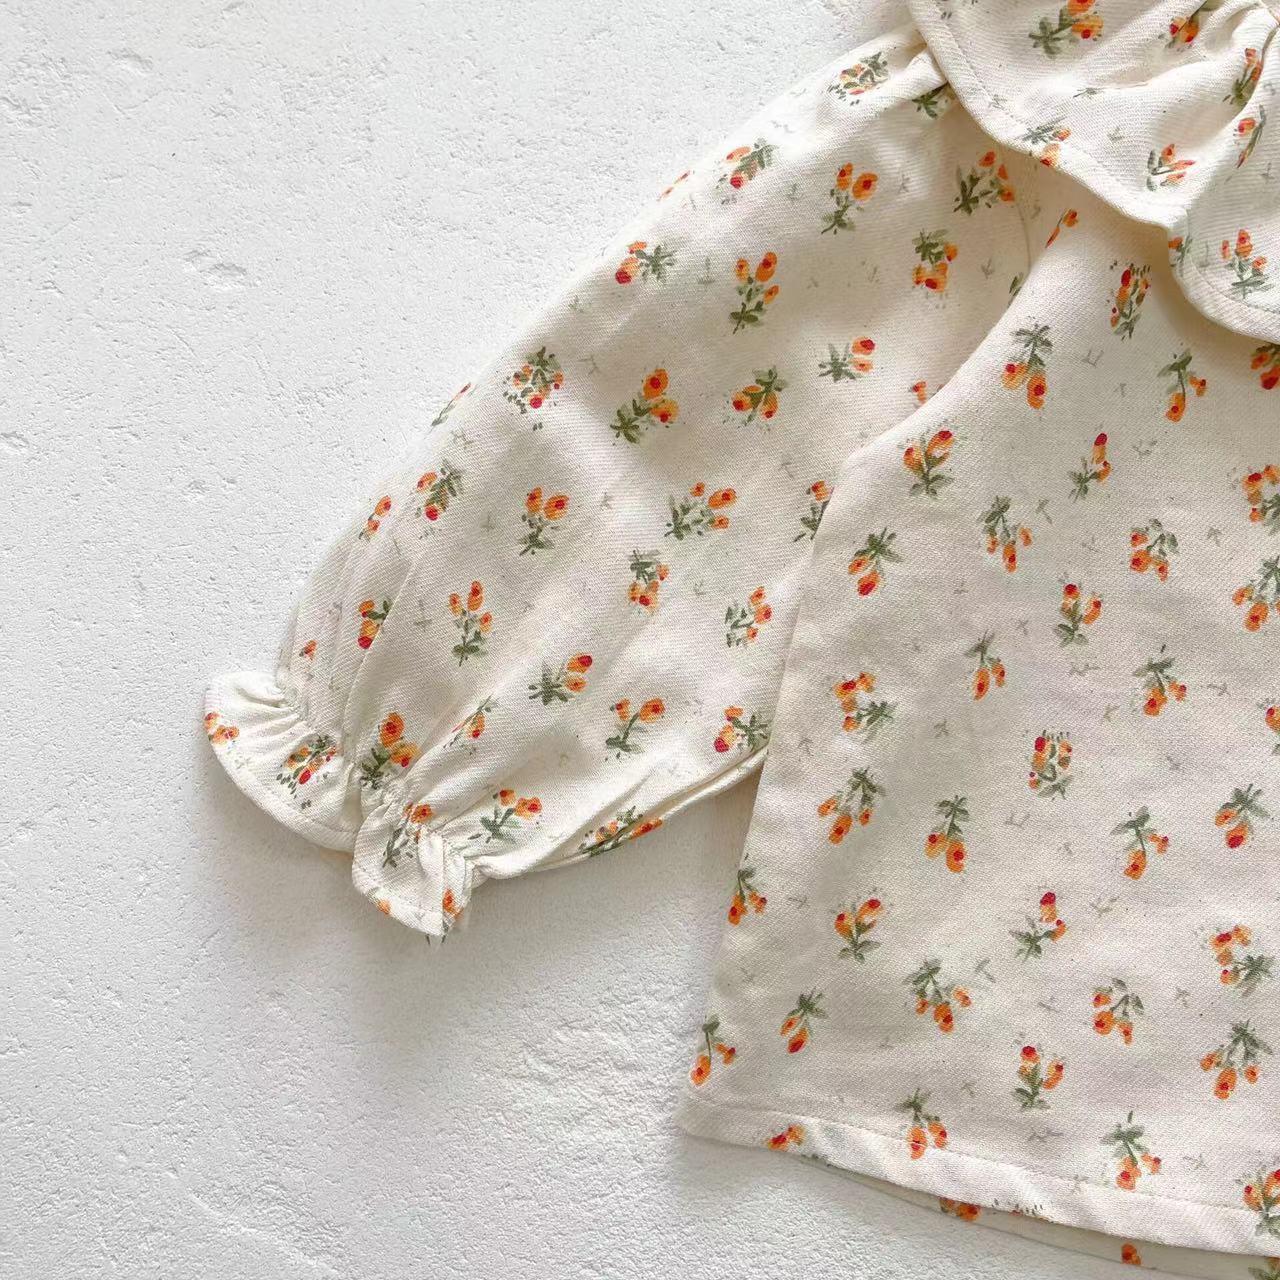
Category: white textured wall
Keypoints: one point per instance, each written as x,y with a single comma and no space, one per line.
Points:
246,248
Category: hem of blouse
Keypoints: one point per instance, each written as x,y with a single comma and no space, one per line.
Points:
260,727
990,1183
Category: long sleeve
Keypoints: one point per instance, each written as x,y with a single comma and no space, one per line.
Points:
564,617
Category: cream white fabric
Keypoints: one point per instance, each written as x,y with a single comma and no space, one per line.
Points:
926,434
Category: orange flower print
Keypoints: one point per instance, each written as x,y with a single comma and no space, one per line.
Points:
925,459
1248,132
1235,1060
924,1129
936,996
920,390
743,621
1126,309
947,837
1238,815
1164,169
1129,1251
1245,83
631,824
647,575
1004,534
862,715
819,493
508,809
990,669
1183,31
961,1209
217,731
644,263
1093,470
1045,141
936,253
473,626
392,750
632,724
1260,594
371,526
797,1025
538,517
473,725
308,651
1159,684
406,834
848,366
1026,368
306,761
746,732
791,1136
759,398
1050,761
746,162
852,82
850,191
1078,612
699,513
651,405
755,293
1125,1141
869,560
856,799
532,385
1036,1078
1151,547
854,924
1047,926
1075,21
1266,359
986,184
1068,218
1262,1195
1114,1009
1272,719
437,488
1248,271
1264,508
560,683
1141,838
372,616
1246,973
1184,380
701,1071
745,897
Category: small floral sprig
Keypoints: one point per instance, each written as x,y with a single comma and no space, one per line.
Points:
1093,470
701,1071
848,194
538,518
819,495
1115,1007
791,1136
631,824
472,725
645,263
631,724
1264,508
508,809
869,560
853,924
372,616
1184,380
1141,838
925,460
934,102
936,253
1235,1059
747,162
406,835
1003,533
759,398
1035,1078
1134,1158
797,1025
985,185
1245,973
1050,761
306,761
936,995
1153,546
1045,141
989,669
1048,926
1272,719
559,684
392,749
860,716
755,293
1266,362
854,81
745,897
437,488
1165,169
533,383
1077,614
647,575
1248,271
1260,594
746,732
219,732
1159,683
454,401
856,798
1262,1195
1026,366
1074,21
947,836
841,366
1249,130
1067,218
699,513
1244,84
373,523
1236,818
924,1128
651,405
473,626
743,621
1126,310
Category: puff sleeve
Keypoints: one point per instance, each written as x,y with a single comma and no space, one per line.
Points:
565,616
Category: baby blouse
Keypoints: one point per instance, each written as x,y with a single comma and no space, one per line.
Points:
926,435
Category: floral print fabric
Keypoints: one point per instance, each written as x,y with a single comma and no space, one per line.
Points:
938,458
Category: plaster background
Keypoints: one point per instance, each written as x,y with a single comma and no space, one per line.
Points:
248,249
